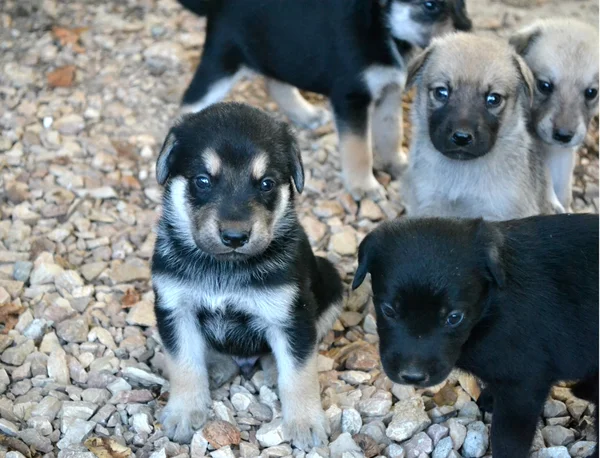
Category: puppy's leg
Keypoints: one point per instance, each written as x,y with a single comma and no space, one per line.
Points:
189,397
516,412
295,106
304,420
213,79
561,165
387,132
221,368
352,116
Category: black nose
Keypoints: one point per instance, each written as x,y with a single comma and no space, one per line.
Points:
462,138
233,238
413,377
562,135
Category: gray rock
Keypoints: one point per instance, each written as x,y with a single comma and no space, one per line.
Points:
396,451
551,452
8,427
477,440
576,407
557,435
437,433
47,407
22,270
409,418
419,444
15,356
78,409
457,431
351,421
343,444
582,449
70,124
142,377
95,395
554,408
443,448
76,431
470,410
58,368
260,411
374,407
73,331
199,445
34,439
270,434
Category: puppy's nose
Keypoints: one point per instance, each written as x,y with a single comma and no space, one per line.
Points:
233,238
462,138
562,135
413,377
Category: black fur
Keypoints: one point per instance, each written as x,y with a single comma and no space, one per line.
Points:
237,132
528,291
315,45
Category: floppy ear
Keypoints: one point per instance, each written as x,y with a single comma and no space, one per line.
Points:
296,157
460,18
490,240
523,39
165,158
527,77
364,257
416,65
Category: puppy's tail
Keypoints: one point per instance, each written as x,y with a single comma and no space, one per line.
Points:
327,287
199,7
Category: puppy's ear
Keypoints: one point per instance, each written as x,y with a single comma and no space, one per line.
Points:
415,66
460,18
165,158
523,39
526,76
364,261
296,157
489,241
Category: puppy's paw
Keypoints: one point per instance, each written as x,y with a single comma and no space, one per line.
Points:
371,189
308,430
311,119
395,167
180,420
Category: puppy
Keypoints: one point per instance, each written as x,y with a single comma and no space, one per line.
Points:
233,271
471,153
563,55
514,303
350,51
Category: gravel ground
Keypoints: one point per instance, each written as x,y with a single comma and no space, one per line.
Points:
88,90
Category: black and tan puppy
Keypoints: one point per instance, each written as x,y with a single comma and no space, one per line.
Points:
352,51
515,303
472,154
233,271
563,56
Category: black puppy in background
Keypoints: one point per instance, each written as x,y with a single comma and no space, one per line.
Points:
352,51
515,303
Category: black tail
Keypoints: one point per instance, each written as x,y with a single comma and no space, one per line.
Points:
327,284
199,7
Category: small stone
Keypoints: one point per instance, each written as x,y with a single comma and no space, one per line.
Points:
125,273
162,453
22,270
477,440
261,412
141,423
355,377
45,273
328,208
58,368
447,396
68,281
70,124
241,401
349,319
103,336
92,270
370,324
78,409
47,408
15,356
581,449
554,408
50,343
324,363
443,448
224,452
199,445
351,421
97,396
576,407
396,451
4,296
344,242
470,410
277,451
142,377
221,433
270,434
362,360
314,228
118,385
551,452
247,450
557,435
403,392
8,427
76,432
409,418
370,210
74,330
457,432
36,329
343,444
470,385
374,407
420,443
142,314
437,433
34,439
133,396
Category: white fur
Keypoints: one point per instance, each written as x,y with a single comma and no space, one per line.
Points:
561,162
378,77
217,92
326,320
296,107
403,27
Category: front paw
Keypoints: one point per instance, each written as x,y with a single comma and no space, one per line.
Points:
311,119
395,167
308,430
180,419
369,188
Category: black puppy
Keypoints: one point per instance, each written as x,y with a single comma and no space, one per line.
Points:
233,271
352,51
515,303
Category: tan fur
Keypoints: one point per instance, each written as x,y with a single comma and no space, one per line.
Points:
564,52
296,107
211,161
357,165
388,132
508,182
259,166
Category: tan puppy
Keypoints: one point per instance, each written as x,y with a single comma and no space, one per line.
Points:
472,154
563,55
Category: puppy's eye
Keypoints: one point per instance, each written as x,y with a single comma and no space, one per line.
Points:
590,93
441,93
493,100
203,182
431,6
388,310
545,87
454,319
267,185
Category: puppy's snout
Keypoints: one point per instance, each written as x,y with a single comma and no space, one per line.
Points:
234,238
413,376
563,135
462,137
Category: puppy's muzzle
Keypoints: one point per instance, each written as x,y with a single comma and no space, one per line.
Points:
234,238
413,377
563,135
